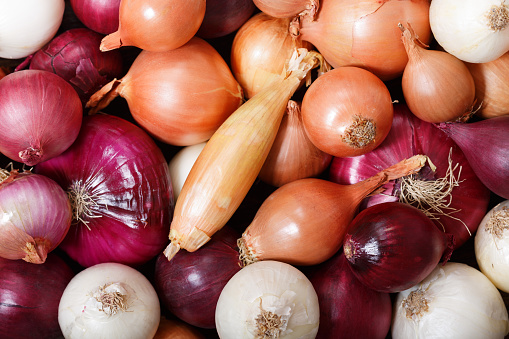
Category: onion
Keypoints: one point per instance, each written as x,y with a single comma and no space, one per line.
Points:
491,87
224,17
156,25
491,243
180,97
347,111
189,285
35,216
259,51
101,16
472,32
293,156
268,299
365,34
109,300
180,165
29,297
452,196
485,146
36,124
28,25
348,309
74,55
304,221
455,300
288,8
437,86
175,329
117,179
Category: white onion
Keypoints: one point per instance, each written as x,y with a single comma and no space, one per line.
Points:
472,30
492,245
134,314
454,301
268,290
27,25
180,166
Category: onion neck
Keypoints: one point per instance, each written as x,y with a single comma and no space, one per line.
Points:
37,251
246,255
31,155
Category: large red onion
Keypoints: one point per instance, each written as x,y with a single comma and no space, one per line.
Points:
40,116
29,297
75,56
223,17
348,309
408,136
101,16
190,284
486,146
121,193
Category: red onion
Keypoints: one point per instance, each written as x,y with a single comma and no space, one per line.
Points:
456,200
29,297
101,16
223,17
118,182
393,246
190,284
35,216
486,146
348,309
75,56
40,116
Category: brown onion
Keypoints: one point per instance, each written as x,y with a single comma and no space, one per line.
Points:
288,8
180,96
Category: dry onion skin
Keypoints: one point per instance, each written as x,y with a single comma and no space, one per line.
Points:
288,8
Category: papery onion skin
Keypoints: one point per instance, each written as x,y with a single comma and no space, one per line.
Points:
40,116
288,8
29,297
121,177
189,285
35,216
347,111
364,34
348,309
224,17
101,16
410,135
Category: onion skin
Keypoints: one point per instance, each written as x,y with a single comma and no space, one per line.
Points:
348,309
29,297
288,8
101,16
224,17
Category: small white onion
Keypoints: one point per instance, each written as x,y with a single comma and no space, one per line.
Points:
492,245
264,292
454,301
27,25
472,30
180,166
109,300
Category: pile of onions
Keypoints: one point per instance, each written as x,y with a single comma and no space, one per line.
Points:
180,97
29,297
189,285
180,165
442,194
101,16
35,123
365,34
120,191
455,299
347,111
260,50
28,25
348,309
268,299
109,300
156,25
224,17
289,8
35,216
75,56
437,86
476,31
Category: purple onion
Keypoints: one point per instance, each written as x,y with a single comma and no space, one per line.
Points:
101,16
223,17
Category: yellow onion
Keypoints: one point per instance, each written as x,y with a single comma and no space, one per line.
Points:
288,8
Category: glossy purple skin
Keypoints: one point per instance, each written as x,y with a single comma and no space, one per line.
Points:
127,174
223,17
101,16
410,136
486,146
190,284
348,309
29,297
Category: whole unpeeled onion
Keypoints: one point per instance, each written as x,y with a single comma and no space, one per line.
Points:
223,17
101,16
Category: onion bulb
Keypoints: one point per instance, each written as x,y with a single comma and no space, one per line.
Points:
473,31
180,165
268,299
288,8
